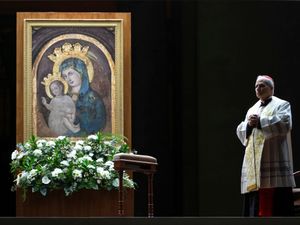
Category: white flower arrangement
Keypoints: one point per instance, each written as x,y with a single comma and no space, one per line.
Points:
45,165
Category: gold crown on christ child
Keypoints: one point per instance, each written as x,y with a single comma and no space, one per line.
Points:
54,77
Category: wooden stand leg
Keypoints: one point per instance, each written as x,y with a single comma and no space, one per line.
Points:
150,195
121,197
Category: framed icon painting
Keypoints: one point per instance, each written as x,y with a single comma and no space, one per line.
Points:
73,74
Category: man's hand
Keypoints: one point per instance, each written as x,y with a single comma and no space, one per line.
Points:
253,120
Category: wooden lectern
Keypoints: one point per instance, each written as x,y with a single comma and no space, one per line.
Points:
136,163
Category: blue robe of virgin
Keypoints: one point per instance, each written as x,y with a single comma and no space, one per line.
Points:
90,109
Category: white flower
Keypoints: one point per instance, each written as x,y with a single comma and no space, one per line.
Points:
14,154
92,137
100,170
56,172
27,145
72,154
77,173
77,147
87,148
103,173
45,180
41,143
21,155
107,142
37,152
64,163
91,167
32,174
61,137
24,174
110,165
79,142
86,157
100,160
115,182
50,144
106,174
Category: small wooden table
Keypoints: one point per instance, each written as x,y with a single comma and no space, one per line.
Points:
136,163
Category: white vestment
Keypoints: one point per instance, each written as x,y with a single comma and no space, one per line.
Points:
268,160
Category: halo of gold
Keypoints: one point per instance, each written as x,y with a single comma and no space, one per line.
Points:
49,79
68,50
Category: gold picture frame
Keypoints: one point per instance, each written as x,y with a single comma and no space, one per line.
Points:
96,97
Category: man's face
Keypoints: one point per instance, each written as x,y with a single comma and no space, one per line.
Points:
262,90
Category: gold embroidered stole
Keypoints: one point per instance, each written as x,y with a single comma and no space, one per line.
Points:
254,149
253,155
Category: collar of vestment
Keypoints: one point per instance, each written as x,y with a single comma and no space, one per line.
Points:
266,102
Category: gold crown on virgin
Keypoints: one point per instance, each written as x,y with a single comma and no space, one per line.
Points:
68,50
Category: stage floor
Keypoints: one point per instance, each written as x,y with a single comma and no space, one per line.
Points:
149,221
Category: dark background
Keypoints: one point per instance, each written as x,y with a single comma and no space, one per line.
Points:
194,64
